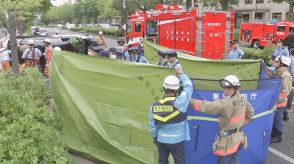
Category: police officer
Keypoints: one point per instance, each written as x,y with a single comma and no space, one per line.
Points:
235,52
280,50
281,63
234,112
162,59
172,58
167,119
134,56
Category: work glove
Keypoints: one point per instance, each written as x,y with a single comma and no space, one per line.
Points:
262,63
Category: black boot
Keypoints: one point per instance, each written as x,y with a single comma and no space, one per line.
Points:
285,116
276,139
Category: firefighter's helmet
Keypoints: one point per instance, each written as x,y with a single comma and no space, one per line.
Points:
230,81
284,60
171,82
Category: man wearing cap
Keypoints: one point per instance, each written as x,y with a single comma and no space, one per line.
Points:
234,113
280,50
172,58
281,63
235,52
162,59
98,51
100,40
168,125
134,56
31,55
5,59
121,46
48,55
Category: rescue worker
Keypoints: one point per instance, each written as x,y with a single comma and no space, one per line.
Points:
5,59
172,58
112,53
167,118
48,55
162,59
121,46
234,112
100,40
235,52
134,56
31,56
291,95
280,50
281,63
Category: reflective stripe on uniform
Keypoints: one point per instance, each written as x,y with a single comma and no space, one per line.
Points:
229,150
165,119
282,104
238,118
283,95
196,105
162,101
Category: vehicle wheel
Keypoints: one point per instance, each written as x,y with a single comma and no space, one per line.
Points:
256,44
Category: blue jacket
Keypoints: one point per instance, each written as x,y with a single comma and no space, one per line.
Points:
177,132
235,54
291,67
282,51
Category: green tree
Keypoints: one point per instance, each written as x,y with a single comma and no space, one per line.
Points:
290,13
17,10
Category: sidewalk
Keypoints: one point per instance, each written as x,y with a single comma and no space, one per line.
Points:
4,40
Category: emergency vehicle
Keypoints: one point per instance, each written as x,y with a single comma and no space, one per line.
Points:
261,34
204,34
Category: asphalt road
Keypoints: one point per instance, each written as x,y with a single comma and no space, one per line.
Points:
279,153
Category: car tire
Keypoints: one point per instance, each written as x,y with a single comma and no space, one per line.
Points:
256,44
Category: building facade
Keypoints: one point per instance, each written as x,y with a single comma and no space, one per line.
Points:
264,11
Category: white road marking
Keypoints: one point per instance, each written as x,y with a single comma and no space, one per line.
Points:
281,155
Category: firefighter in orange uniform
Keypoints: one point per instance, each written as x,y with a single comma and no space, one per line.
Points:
48,55
234,112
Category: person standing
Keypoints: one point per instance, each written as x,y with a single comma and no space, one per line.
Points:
235,52
5,59
167,118
281,63
31,55
280,50
48,55
134,56
291,95
162,59
172,58
234,112
100,40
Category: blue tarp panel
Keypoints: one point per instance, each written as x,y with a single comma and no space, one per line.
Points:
203,129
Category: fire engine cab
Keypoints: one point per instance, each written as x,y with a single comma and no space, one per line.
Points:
261,35
204,34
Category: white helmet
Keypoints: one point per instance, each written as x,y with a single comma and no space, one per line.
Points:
230,81
100,33
31,41
171,82
57,49
284,59
47,40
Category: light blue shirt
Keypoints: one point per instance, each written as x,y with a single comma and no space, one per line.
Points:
235,54
5,55
281,51
176,132
139,59
28,54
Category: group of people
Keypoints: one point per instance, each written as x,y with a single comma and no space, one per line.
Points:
167,118
31,57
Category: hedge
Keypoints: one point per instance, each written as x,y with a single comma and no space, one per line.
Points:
29,132
95,30
252,53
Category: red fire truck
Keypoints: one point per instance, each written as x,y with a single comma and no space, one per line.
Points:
261,35
204,34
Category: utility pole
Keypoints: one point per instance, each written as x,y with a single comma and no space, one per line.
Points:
124,15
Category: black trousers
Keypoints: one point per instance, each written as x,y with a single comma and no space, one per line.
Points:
177,150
